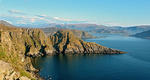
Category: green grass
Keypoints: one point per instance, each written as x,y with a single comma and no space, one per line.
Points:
24,73
2,53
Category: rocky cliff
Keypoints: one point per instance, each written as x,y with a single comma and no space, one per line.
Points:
65,42
18,45
25,41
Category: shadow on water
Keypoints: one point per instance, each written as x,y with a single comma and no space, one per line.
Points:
135,65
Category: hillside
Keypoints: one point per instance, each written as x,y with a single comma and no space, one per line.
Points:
5,23
145,34
94,28
18,45
123,30
80,34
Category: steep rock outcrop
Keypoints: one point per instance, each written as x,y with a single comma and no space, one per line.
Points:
18,45
25,41
65,42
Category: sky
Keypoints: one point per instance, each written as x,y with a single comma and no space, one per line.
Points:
103,12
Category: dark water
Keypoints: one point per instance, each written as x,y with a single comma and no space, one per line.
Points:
135,65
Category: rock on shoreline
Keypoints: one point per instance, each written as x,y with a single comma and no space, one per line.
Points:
65,42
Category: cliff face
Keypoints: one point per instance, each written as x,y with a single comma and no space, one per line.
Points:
25,41
18,45
65,42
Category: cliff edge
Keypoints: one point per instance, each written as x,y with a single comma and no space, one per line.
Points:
65,42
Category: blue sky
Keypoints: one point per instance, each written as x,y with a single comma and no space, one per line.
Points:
105,12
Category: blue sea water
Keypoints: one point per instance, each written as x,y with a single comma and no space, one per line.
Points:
134,65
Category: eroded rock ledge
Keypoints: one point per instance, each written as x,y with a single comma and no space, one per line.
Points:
65,42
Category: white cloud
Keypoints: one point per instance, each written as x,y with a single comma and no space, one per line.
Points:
38,19
62,19
113,24
42,16
59,19
8,21
15,12
21,22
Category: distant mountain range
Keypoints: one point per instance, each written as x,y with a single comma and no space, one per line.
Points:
93,28
85,27
145,34
80,34
134,29
5,23
51,30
